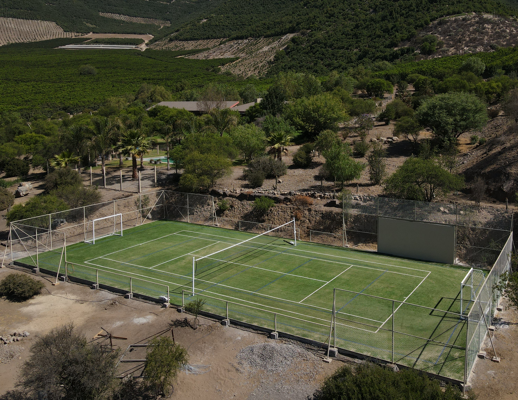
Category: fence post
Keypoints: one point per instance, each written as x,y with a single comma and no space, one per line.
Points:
140,205
466,355
131,286
50,230
183,298
97,278
155,176
84,223
104,176
188,216
393,316
91,177
168,294
37,251
275,322
227,309
120,174
139,183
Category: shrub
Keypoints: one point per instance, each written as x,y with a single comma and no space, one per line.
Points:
482,140
36,206
78,196
297,214
304,156
7,184
223,205
16,167
474,139
87,70
195,307
255,178
20,287
493,112
302,201
62,177
264,167
263,204
361,148
6,199
371,382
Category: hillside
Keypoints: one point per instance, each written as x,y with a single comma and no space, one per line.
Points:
131,16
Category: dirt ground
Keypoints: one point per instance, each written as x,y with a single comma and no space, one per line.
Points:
214,371
492,380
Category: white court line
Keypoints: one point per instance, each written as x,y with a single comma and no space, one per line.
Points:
225,286
265,269
323,259
403,302
326,283
330,255
185,255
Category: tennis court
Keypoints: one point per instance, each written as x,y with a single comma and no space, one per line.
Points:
395,309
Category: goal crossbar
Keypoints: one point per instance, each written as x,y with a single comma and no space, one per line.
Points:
115,231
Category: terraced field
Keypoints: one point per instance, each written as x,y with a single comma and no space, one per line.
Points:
14,30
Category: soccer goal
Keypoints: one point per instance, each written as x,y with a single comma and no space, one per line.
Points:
244,253
469,288
105,226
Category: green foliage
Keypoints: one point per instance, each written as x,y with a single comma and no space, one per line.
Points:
16,167
482,140
377,164
372,382
87,70
78,196
63,365
395,110
326,140
264,167
378,87
263,204
361,147
421,179
6,199
315,114
474,139
20,287
428,44
223,205
163,362
249,140
7,184
195,307
409,128
36,206
450,115
62,177
304,156
474,65
340,165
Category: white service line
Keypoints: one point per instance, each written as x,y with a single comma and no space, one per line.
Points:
403,302
184,255
323,259
326,283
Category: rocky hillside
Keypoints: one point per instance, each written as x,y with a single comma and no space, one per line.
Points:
470,33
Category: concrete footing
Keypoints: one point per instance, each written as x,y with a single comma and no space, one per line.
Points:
95,286
333,352
481,354
225,322
274,335
128,295
166,305
180,309
36,270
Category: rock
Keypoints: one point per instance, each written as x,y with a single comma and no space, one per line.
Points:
279,181
395,139
332,203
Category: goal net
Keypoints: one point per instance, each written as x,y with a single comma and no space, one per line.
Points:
469,288
102,227
245,253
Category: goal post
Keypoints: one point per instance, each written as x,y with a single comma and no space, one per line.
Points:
110,225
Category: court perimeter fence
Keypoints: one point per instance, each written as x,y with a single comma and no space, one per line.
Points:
50,234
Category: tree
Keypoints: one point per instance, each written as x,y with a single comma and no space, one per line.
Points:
419,179
171,127
202,170
264,167
134,143
364,124
63,160
279,134
163,362
325,140
104,134
16,167
409,128
223,120
340,165
377,164
76,140
249,140
36,206
473,64
511,105
450,115
396,110
304,156
62,177
312,115
62,365
373,382
378,87
6,199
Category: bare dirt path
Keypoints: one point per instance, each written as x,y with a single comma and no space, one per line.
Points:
212,348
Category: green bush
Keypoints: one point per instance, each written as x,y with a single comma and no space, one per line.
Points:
482,140
304,156
87,70
78,196
264,167
474,139
7,184
372,382
223,205
255,178
37,206
20,287
263,204
16,167
361,148
62,177
6,199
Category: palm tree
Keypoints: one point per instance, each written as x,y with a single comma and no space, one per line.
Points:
278,141
223,120
76,141
63,160
134,143
104,133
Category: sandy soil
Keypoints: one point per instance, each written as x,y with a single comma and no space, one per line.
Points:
145,38
491,380
212,348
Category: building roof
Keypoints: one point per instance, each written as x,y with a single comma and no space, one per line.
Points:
243,107
195,106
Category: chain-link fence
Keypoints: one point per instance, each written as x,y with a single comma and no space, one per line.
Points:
484,306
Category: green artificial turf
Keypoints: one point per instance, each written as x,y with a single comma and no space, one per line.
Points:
271,283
